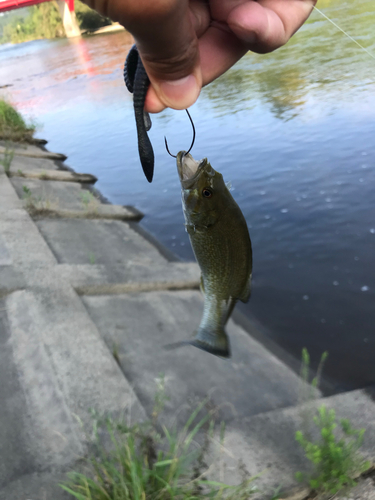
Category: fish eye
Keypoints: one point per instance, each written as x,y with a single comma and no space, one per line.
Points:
207,193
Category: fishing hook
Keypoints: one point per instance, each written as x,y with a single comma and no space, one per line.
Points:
192,144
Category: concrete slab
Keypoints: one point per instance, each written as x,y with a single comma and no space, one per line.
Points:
63,364
10,279
94,279
33,151
8,197
139,325
44,210
51,198
36,486
112,244
22,164
53,175
58,195
5,258
23,240
27,448
13,410
21,147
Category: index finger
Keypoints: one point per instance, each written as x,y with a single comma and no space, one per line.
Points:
268,24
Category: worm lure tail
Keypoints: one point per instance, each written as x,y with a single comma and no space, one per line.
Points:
137,82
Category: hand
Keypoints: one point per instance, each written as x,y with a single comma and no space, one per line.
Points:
186,44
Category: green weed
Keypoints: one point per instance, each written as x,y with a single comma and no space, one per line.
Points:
308,391
26,192
336,460
92,257
89,201
12,125
116,353
36,205
7,159
143,464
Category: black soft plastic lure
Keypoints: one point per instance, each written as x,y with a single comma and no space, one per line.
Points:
137,82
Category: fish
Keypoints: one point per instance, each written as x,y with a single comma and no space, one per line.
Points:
137,83
221,243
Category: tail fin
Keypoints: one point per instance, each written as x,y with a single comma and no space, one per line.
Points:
214,342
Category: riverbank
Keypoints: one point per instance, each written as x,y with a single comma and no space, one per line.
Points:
87,304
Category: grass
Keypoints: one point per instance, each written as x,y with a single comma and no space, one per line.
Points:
334,453
12,126
336,460
7,159
37,205
143,464
92,257
89,201
116,353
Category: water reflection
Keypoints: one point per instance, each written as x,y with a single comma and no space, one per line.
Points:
292,130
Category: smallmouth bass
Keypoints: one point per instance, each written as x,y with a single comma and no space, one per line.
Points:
221,243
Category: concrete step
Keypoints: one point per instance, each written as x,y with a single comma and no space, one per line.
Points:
54,175
55,195
112,244
33,152
36,486
60,199
139,325
20,164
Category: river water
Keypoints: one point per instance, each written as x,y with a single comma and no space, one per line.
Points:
294,133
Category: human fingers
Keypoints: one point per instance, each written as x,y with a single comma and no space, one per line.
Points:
199,16
168,46
219,50
167,43
268,24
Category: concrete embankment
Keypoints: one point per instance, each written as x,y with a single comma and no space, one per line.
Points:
78,280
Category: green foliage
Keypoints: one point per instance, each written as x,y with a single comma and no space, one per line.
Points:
89,201
336,460
89,19
92,260
26,192
43,21
12,125
9,16
142,464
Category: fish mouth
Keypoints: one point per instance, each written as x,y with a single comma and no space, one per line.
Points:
189,169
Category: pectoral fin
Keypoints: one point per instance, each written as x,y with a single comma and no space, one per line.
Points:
245,295
202,285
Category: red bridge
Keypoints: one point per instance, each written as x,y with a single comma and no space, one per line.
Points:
66,8
17,4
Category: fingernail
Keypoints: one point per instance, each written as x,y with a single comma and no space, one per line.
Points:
180,94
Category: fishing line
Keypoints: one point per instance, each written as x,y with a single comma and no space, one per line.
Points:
345,33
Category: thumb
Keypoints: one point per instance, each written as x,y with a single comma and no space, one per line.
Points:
168,47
